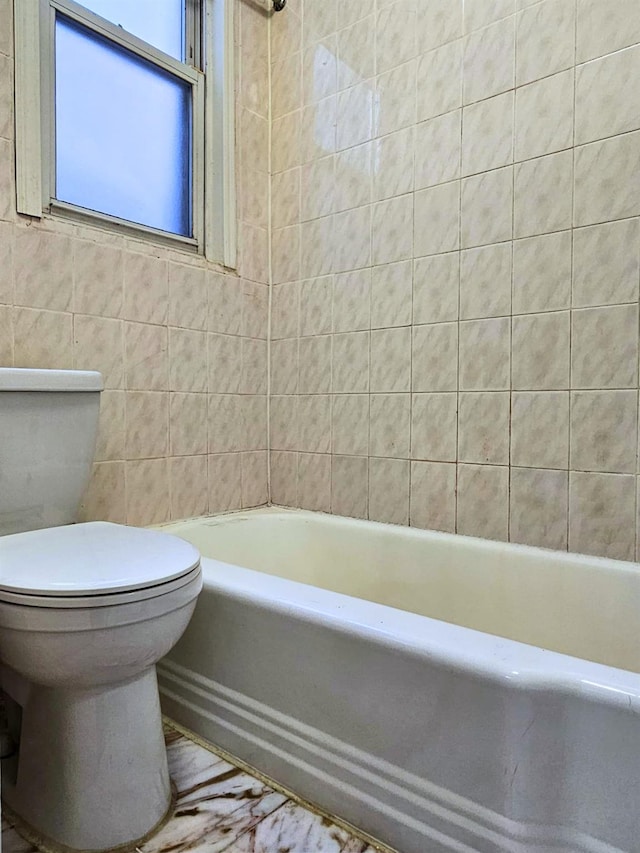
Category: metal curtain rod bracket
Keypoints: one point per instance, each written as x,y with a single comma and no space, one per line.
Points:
278,5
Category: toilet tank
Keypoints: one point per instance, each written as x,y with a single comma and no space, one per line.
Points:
48,429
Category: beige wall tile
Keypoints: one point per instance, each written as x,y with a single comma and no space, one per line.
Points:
350,366
540,429
395,34
543,194
606,180
315,365
354,170
483,428
189,492
147,424
487,208
225,482
253,378
436,285
315,306
607,98
540,351
393,109
390,425
314,413
144,478
6,336
352,241
434,427
487,134
435,357
188,370
350,486
437,219
284,423
433,496
284,478
187,296
352,301
605,26
389,490
188,424
314,481
440,80
485,282
544,116
146,357
284,366
105,496
42,339
489,61
354,115
48,283
391,295
392,234
483,501
542,273
604,347
225,304
479,13
98,344
110,444
438,150
350,424
604,426
390,360
146,288
254,478
606,263
438,22
485,355
545,39
393,156
602,514
538,507
6,262
356,59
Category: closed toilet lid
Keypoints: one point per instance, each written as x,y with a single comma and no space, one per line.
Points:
95,558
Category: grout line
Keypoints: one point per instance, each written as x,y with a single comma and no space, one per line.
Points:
269,258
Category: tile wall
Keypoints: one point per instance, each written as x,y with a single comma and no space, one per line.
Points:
455,261
181,343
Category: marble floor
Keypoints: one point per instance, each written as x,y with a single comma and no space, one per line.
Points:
222,807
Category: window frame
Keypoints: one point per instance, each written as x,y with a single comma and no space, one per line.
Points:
213,129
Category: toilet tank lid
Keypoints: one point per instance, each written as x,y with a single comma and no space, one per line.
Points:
31,379
93,558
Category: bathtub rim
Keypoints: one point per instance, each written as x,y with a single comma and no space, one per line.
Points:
511,663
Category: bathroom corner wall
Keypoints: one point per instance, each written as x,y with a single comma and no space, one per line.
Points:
181,342
455,256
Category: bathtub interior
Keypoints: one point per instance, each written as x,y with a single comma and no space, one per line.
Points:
581,606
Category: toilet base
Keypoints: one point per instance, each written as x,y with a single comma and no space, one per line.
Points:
91,772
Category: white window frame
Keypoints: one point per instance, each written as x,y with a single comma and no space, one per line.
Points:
213,162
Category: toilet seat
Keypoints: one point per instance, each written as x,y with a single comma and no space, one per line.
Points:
95,564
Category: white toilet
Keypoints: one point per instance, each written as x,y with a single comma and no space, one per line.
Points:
86,611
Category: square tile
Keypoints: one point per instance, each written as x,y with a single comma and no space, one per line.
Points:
483,428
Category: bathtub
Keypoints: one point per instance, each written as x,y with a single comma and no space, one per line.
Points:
440,692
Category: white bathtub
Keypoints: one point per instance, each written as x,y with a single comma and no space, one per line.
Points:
440,692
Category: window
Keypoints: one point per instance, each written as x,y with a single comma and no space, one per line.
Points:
125,117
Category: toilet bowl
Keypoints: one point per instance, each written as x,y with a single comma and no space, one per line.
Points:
86,611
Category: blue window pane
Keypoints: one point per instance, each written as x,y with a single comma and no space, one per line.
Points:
158,22
123,133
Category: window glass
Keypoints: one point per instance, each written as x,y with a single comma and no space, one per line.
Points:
158,22
123,132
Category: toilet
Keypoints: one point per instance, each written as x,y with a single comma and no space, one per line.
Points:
86,611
